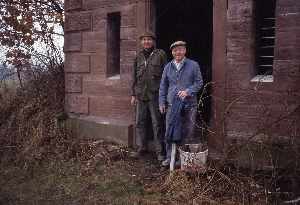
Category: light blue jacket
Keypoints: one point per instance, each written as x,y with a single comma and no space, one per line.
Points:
188,79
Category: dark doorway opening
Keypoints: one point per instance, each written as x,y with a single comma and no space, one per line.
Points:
190,21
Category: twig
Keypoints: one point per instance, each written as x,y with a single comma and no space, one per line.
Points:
292,201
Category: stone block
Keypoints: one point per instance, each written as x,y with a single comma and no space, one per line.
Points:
126,112
93,4
262,96
72,42
99,14
286,68
126,68
93,46
78,21
238,67
128,45
98,63
232,2
262,152
128,21
249,110
287,20
239,53
260,125
287,37
238,82
287,83
93,79
77,63
288,6
291,52
126,79
111,101
127,56
128,33
240,10
239,96
90,127
239,39
129,9
99,24
73,5
77,104
98,88
94,36
73,84
267,97
244,124
235,125
239,25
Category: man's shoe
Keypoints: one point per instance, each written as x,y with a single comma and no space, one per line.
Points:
160,157
139,153
166,162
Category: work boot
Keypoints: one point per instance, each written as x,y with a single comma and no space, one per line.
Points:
166,162
160,157
139,153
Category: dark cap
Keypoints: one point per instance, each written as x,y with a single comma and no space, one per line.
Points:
177,43
147,33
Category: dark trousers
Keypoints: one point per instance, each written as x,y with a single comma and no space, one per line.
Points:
146,108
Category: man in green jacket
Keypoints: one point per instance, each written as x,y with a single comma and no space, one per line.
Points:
146,76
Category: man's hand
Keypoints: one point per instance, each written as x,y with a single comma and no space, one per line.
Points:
182,94
133,100
163,110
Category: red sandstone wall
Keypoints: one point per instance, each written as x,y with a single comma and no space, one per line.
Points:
247,115
88,91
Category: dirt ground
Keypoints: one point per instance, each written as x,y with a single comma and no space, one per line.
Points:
122,180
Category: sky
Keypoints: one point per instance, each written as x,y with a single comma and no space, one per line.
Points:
39,46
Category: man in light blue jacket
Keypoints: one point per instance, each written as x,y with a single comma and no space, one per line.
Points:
181,78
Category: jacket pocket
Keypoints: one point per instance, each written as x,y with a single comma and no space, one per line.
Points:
156,79
156,69
140,72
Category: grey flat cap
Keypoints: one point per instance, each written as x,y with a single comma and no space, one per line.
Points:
177,43
147,33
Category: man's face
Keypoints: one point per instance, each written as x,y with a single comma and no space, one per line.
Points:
178,53
147,42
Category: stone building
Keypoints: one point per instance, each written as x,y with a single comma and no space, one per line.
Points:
249,49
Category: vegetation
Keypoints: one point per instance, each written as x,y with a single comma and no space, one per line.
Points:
30,31
43,162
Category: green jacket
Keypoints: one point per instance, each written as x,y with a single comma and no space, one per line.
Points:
146,76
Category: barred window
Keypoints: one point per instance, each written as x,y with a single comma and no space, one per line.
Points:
266,26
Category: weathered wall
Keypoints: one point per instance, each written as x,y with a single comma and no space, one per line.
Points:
246,103
89,91
248,114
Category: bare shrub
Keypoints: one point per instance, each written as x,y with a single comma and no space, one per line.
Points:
255,168
260,161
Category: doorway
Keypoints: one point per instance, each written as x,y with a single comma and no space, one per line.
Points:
190,21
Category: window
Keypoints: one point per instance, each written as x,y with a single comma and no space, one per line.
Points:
113,44
266,35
